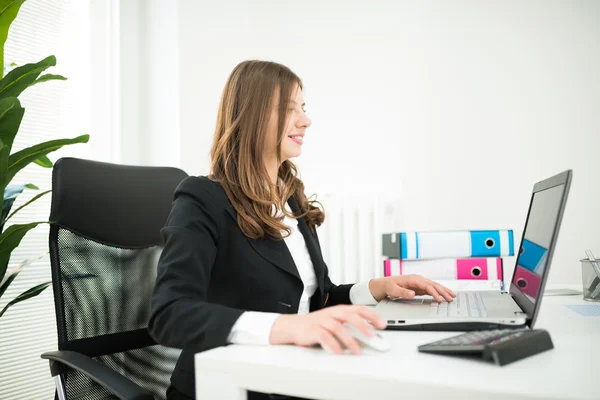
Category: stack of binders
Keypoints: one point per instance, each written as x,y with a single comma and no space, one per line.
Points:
464,260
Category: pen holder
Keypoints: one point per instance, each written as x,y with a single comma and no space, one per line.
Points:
590,275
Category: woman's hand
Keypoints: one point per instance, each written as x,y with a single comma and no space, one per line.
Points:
408,286
325,327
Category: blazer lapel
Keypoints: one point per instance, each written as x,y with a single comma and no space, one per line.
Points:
311,244
274,251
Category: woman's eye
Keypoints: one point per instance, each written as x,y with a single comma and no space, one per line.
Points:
294,109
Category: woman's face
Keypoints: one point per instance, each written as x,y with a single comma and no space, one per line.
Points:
293,133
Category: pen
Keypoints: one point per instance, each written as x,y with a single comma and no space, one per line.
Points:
592,289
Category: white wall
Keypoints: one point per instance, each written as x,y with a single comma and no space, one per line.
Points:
147,62
162,84
457,107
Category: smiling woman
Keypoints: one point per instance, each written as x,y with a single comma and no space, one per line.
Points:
295,129
251,147
241,261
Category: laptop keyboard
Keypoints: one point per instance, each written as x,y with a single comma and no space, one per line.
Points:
465,304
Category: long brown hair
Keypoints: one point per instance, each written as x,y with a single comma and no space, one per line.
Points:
237,154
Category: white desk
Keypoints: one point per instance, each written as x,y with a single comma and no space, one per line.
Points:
569,371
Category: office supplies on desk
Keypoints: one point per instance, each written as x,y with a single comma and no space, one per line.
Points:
590,275
448,244
517,307
503,346
483,268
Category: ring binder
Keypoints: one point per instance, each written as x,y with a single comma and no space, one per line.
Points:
448,244
482,268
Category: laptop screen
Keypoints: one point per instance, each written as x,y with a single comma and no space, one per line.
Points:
541,224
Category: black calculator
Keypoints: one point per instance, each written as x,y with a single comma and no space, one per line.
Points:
503,346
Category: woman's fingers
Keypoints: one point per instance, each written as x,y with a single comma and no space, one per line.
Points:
370,316
445,292
343,335
329,342
437,291
399,291
343,313
332,334
358,322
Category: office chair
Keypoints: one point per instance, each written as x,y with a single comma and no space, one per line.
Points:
105,223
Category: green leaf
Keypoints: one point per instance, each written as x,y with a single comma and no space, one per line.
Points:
8,12
11,115
34,291
12,274
11,192
19,79
21,159
26,204
4,156
8,104
48,77
10,239
44,161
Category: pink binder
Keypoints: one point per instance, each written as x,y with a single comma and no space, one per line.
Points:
484,268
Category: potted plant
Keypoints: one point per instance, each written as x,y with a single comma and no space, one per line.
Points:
12,84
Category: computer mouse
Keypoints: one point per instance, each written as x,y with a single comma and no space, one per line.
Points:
376,342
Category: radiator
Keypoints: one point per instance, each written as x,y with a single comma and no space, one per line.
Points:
350,237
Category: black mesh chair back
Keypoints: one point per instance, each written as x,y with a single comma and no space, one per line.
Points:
104,247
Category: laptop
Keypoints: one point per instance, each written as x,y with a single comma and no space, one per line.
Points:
483,310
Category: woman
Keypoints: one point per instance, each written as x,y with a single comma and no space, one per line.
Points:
241,261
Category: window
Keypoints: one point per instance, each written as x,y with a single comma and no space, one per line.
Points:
53,110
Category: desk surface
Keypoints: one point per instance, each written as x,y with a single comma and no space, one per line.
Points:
566,372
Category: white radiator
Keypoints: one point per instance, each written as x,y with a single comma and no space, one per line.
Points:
350,237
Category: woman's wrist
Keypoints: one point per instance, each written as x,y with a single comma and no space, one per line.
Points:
281,331
377,288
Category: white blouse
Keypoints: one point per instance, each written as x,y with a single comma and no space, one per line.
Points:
299,251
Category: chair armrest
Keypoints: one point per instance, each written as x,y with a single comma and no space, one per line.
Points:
111,380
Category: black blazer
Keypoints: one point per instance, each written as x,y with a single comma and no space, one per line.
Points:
209,273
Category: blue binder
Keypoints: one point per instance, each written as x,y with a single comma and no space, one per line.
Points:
448,244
